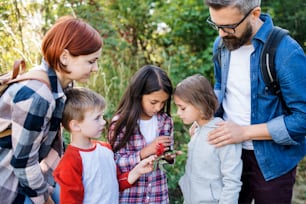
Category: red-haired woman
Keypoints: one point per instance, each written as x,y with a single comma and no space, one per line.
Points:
33,111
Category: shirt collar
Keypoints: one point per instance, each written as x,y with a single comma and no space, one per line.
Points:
264,30
56,88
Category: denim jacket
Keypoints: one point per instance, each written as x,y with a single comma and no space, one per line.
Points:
287,147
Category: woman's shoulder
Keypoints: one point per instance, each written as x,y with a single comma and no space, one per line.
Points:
28,94
30,89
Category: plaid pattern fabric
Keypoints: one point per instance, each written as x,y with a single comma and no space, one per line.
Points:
29,155
152,187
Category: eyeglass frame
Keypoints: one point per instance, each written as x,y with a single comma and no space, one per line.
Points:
232,26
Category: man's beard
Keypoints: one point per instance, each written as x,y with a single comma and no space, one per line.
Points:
232,42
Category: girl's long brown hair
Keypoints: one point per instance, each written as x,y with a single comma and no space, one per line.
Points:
148,79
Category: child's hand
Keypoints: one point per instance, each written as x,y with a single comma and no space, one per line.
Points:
164,140
171,155
151,148
143,167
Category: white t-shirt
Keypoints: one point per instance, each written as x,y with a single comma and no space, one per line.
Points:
237,100
148,128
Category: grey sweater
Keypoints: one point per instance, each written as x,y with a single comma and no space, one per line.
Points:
212,175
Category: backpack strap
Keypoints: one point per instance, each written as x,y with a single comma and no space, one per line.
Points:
19,67
267,56
6,133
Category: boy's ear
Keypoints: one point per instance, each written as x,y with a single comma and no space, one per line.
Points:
64,57
74,126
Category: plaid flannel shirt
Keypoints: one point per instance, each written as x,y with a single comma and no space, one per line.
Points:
152,187
29,155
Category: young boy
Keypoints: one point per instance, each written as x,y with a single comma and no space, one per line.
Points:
87,173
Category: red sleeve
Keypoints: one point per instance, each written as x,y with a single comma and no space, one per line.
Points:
68,174
123,180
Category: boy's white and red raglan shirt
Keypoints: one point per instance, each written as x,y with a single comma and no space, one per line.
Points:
90,175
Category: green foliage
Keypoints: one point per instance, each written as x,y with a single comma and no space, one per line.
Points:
300,186
175,171
289,15
14,30
188,46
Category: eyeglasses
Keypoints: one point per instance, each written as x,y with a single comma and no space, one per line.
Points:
230,29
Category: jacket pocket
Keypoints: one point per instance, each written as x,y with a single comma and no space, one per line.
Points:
198,190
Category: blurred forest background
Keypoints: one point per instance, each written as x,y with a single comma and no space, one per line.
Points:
171,34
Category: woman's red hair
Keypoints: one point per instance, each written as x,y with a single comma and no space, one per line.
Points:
72,34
